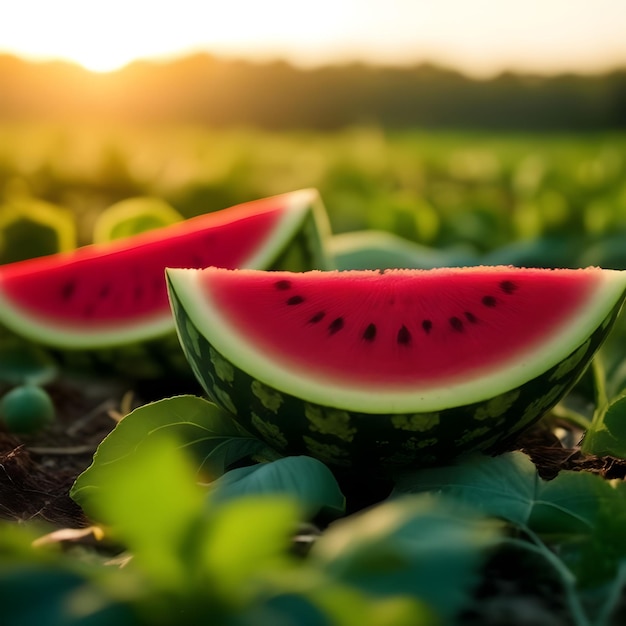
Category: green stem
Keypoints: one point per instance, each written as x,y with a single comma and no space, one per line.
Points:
599,378
571,417
602,402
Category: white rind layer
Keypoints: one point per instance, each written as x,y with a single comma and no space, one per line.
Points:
68,336
227,339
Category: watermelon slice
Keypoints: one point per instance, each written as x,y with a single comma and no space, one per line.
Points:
399,366
114,294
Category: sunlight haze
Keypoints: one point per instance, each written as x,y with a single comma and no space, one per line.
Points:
480,37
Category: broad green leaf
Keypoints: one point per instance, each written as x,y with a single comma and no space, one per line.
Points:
504,486
509,487
203,429
287,609
319,600
607,434
152,504
425,546
246,554
56,597
44,585
572,510
377,249
304,478
334,604
568,505
244,540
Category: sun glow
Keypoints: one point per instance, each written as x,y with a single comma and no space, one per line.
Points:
100,61
101,37
483,37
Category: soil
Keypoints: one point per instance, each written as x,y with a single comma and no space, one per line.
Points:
37,471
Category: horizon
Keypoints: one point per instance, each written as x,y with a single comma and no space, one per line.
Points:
156,62
479,39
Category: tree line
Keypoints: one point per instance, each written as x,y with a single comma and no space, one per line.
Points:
203,89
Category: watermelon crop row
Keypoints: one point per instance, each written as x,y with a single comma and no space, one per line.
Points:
257,542
436,189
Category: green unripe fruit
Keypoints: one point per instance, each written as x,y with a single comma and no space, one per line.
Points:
26,409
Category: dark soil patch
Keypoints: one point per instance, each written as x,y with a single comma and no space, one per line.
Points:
37,471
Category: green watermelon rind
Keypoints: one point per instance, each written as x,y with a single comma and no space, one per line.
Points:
359,439
221,331
298,239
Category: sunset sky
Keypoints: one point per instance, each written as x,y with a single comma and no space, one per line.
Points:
481,37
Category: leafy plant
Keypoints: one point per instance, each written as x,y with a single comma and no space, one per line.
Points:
303,478
398,553
574,522
224,562
204,430
428,546
606,434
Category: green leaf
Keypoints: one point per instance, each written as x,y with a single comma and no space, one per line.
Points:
56,597
323,601
244,540
424,546
44,585
334,604
597,556
203,429
504,486
607,434
573,510
304,478
246,554
509,487
152,503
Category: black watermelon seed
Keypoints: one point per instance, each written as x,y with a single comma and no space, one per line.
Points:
295,300
67,290
370,332
456,323
336,325
318,317
489,301
427,325
404,336
282,285
470,317
508,286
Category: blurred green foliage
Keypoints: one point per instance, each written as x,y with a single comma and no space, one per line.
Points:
483,191
132,216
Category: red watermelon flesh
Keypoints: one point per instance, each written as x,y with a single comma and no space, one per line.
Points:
117,285
401,327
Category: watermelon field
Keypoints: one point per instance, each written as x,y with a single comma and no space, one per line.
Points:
143,482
